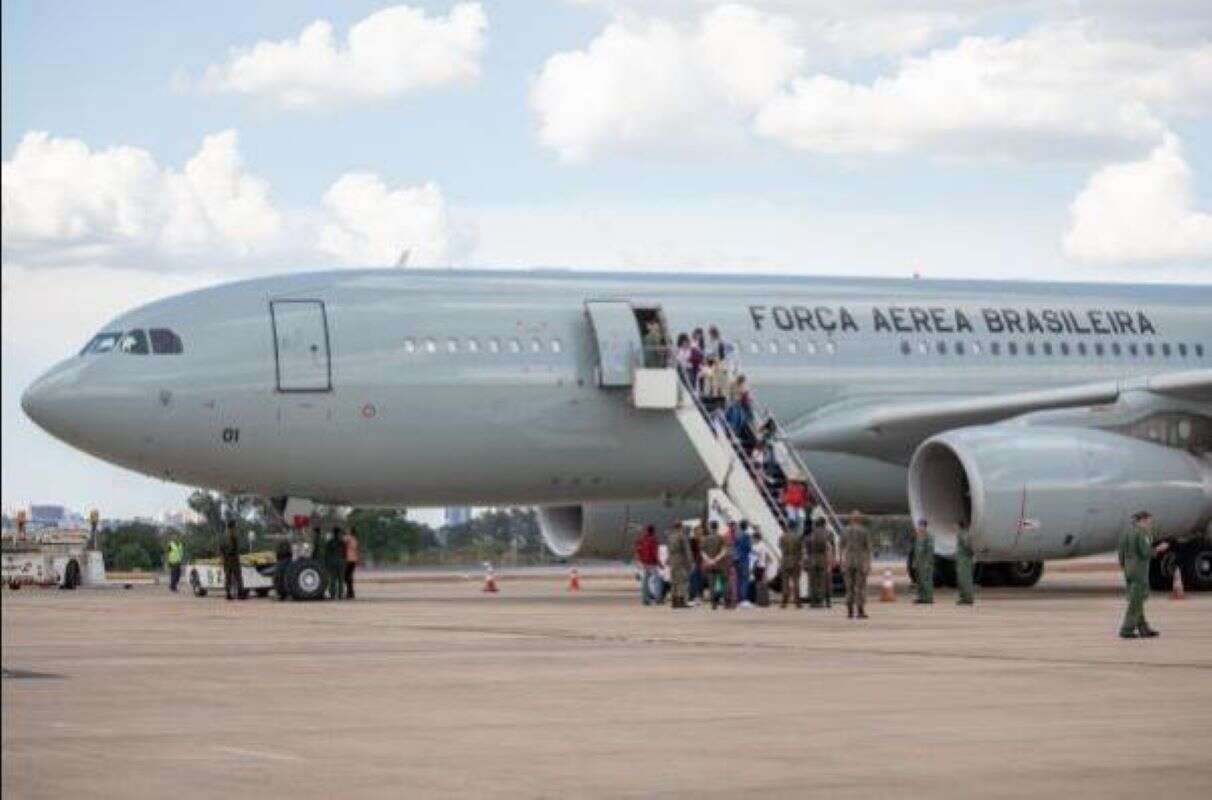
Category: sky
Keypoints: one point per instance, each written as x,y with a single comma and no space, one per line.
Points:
154,147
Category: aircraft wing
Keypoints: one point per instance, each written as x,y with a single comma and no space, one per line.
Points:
891,430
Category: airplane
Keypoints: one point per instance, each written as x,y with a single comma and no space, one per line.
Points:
1041,414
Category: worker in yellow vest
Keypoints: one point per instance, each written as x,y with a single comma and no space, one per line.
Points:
176,554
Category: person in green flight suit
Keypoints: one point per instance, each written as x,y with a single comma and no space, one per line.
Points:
334,563
923,562
1135,551
233,579
964,557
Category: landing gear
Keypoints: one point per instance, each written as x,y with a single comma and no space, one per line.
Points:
1195,560
305,579
1161,571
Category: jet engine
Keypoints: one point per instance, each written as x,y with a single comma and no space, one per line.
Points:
1032,492
607,530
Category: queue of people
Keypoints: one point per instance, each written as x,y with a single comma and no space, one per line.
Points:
734,566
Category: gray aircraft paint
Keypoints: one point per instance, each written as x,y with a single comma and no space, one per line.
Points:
533,427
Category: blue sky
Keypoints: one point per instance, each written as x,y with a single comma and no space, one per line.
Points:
1007,138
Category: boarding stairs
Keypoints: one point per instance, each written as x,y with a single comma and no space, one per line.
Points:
724,457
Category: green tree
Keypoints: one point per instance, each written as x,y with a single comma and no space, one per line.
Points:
387,536
132,545
131,556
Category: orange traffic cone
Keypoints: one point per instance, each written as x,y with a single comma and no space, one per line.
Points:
490,579
887,590
1177,592
574,580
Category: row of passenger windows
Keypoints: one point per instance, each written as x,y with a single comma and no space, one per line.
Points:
490,345
996,348
160,341
1132,349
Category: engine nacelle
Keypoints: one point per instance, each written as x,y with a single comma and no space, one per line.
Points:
607,530
1032,493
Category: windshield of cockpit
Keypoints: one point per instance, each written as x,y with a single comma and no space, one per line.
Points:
136,341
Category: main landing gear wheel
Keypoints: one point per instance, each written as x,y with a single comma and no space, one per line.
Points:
195,583
305,579
1195,561
1161,571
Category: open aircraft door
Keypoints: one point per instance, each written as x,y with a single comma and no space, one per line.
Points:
301,350
617,334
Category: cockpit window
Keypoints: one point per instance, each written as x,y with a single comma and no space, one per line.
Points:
134,342
102,343
164,341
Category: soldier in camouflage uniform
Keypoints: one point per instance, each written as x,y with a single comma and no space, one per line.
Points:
790,565
856,564
923,562
679,565
714,566
964,556
229,549
1135,551
818,563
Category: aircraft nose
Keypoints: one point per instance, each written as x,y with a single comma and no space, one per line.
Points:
49,402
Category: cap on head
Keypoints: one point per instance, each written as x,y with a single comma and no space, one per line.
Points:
1141,516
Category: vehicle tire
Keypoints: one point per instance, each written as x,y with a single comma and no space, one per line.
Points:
1195,560
14,585
1161,571
306,579
1022,574
71,574
262,592
195,583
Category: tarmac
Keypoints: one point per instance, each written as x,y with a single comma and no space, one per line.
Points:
433,688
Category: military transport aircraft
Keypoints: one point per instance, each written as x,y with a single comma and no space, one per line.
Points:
1041,413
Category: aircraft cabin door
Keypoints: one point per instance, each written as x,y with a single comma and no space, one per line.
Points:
301,349
617,335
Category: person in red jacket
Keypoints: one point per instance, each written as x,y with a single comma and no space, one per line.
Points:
649,562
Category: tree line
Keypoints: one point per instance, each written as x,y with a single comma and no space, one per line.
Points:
387,537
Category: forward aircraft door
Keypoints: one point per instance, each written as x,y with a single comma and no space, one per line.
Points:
617,335
301,352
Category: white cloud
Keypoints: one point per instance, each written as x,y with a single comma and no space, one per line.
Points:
1140,211
391,52
662,85
1056,92
372,225
67,205
1071,88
